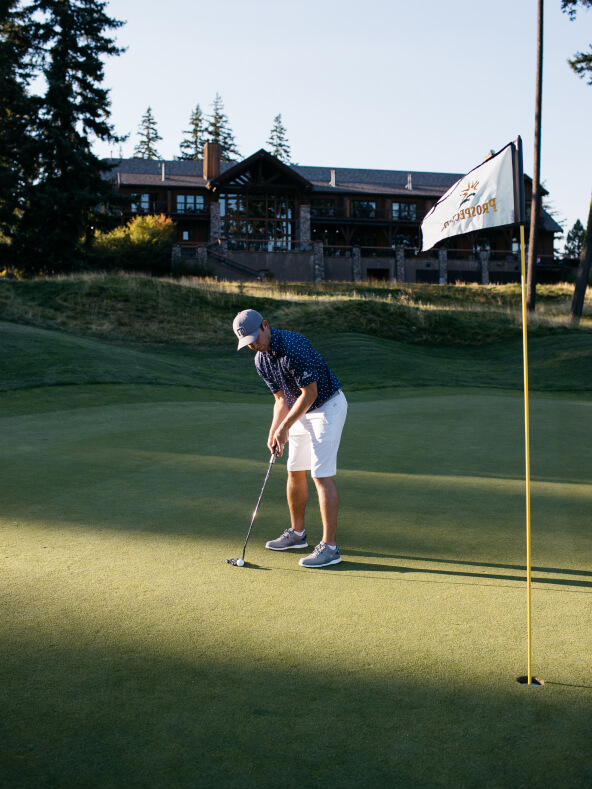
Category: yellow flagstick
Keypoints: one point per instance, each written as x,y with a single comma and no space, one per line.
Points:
527,452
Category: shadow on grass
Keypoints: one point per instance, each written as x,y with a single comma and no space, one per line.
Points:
114,715
369,567
567,685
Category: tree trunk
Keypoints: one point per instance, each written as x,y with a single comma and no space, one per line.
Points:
577,304
535,210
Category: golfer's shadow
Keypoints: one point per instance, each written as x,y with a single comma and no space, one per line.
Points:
401,570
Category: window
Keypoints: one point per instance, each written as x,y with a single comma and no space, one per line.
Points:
320,207
407,240
189,204
405,211
141,204
363,209
258,222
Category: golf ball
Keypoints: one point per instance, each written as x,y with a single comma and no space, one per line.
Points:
240,562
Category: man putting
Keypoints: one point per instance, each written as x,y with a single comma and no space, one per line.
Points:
309,411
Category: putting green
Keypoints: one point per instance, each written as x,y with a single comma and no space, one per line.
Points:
133,655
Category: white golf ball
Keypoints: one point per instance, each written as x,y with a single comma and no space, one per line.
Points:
240,562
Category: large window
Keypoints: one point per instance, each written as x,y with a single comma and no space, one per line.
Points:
258,222
190,204
143,203
320,207
405,211
407,240
363,209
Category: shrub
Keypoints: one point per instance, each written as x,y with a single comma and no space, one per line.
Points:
143,245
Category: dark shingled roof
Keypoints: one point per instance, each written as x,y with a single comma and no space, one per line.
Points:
181,172
148,172
378,181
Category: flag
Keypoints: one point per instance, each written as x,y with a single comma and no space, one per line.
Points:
483,198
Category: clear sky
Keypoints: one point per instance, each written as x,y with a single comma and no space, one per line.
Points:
387,84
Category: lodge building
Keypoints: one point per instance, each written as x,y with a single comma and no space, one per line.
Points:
260,217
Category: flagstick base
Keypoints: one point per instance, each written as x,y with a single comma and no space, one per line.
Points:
535,682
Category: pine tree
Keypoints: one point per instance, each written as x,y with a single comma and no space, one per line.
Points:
581,62
192,145
278,141
17,111
149,136
59,204
574,241
218,130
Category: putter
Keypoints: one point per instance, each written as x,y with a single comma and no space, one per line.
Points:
240,562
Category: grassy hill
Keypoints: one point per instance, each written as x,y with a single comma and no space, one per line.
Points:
136,330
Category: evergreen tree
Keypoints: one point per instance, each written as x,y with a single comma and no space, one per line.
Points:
574,243
149,136
218,130
192,145
58,206
581,63
17,111
278,141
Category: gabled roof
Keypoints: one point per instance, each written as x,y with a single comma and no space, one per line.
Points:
180,173
260,169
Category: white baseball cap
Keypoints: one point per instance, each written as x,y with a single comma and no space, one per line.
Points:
246,326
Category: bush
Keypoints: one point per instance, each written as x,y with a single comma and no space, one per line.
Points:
143,245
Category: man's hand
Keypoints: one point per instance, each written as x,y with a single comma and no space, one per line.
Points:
284,417
279,440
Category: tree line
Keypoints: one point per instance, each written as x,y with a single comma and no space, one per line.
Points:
214,127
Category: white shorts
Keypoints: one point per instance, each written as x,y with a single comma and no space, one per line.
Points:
314,439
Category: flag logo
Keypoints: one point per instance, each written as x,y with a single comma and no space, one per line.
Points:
483,198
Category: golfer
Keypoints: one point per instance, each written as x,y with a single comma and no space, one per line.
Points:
309,412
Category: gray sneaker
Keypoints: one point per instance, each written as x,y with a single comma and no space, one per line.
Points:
322,556
289,539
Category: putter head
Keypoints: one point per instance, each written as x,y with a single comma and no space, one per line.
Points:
236,562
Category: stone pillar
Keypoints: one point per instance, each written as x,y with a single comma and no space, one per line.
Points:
400,259
357,264
318,261
443,266
175,258
484,257
305,232
215,222
202,257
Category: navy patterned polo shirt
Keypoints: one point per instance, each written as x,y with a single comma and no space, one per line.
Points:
292,363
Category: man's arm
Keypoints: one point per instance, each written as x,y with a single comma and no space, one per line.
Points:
284,417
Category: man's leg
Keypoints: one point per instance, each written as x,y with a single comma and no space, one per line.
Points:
329,506
297,491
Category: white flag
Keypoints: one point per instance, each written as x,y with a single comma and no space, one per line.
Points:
483,198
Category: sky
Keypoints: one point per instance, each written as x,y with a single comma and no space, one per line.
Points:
431,85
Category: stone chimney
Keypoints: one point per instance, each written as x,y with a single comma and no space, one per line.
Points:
409,182
162,171
332,181
211,160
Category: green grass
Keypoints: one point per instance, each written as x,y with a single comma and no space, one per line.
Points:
39,357
132,654
133,453
162,312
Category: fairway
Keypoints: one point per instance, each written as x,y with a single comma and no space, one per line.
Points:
133,655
